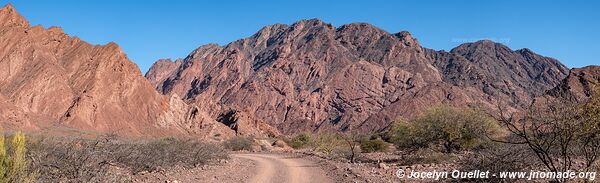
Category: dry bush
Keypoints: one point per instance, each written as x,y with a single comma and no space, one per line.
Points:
559,132
499,157
426,156
95,160
239,143
168,152
333,145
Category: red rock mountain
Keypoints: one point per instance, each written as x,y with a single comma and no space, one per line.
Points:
312,76
579,85
308,76
52,81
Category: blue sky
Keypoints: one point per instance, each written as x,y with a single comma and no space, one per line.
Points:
149,30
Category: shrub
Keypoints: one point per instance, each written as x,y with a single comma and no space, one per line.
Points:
560,131
500,157
334,145
299,141
405,135
452,128
93,160
238,143
13,163
169,152
326,143
373,145
426,156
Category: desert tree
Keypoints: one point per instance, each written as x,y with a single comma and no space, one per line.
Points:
452,128
352,140
589,134
558,131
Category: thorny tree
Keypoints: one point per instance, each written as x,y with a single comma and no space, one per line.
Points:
352,141
558,131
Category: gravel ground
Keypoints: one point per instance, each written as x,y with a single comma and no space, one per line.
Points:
232,170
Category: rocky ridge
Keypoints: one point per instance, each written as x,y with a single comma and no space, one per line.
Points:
312,76
51,81
579,85
307,76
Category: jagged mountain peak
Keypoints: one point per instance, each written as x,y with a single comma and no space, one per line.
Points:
358,28
361,26
310,22
56,29
489,52
52,81
407,38
480,46
525,51
10,17
312,76
8,6
207,48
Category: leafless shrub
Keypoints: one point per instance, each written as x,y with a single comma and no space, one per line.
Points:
239,143
352,142
499,157
426,156
97,160
559,132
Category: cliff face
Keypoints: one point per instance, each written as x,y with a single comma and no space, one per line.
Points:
49,78
579,85
312,76
161,69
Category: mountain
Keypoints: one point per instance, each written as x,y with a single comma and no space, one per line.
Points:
307,76
51,81
579,85
312,76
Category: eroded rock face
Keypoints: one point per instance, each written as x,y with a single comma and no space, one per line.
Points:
166,68
47,74
312,76
245,125
579,85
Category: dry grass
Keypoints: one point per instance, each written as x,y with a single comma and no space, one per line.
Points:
109,159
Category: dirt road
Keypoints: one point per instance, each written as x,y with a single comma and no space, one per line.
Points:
284,169
252,168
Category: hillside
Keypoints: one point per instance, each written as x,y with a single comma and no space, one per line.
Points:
312,76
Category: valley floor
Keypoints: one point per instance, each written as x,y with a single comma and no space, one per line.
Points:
252,168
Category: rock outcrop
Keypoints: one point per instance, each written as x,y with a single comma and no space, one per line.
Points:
312,76
579,85
67,83
162,68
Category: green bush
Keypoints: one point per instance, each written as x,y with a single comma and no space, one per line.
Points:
238,143
299,141
326,143
13,163
449,127
405,135
374,145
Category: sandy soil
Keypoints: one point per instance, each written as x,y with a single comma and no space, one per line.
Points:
284,168
250,168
